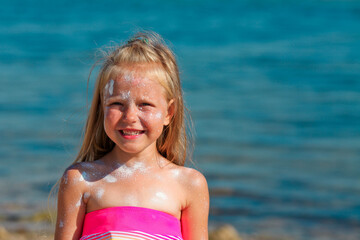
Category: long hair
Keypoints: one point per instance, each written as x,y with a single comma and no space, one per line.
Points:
144,48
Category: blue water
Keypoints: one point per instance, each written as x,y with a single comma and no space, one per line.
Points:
273,87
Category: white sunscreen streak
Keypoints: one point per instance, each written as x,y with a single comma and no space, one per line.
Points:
128,78
125,171
158,115
125,95
176,172
110,179
84,176
161,195
87,176
61,224
81,178
139,166
111,88
78,204
99,193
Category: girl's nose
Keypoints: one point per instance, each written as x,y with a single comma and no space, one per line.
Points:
130,113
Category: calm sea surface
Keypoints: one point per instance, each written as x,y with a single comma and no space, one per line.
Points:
273,87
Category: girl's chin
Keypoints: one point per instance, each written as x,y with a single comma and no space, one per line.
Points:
135,149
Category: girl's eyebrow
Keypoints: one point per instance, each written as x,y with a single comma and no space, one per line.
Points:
121,96
145,97
114,98
109,98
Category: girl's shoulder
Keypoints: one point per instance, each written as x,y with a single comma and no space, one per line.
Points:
82,172
188,177
193,184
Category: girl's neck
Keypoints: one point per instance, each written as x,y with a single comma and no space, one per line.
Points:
148,157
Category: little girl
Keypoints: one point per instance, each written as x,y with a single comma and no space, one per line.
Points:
128,180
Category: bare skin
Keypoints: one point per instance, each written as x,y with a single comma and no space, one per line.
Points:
133,173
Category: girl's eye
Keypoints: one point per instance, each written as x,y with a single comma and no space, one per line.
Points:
117,103
144,104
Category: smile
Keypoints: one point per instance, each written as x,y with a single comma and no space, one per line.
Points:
130,134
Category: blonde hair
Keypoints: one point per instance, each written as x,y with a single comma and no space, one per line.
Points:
145,48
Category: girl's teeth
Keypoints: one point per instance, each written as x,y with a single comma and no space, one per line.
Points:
131,132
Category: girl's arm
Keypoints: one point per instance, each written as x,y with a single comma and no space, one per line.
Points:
71,207
194,218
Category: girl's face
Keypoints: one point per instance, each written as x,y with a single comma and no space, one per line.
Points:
135,112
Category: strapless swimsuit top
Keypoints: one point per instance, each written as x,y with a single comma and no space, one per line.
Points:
130,223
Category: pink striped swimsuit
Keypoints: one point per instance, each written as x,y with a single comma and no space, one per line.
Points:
130,223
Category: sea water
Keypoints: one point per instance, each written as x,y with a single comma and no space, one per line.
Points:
273,88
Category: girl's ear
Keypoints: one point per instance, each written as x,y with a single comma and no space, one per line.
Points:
170,112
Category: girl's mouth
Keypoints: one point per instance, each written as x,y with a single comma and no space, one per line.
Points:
131,133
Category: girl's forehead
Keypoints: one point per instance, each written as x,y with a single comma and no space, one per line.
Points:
138,74
135,80
147,79
126,86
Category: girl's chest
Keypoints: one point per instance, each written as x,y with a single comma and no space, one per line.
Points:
152,192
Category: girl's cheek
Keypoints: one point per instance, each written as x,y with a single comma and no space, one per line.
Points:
151,117
158,115
110,112
111,115
155,120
